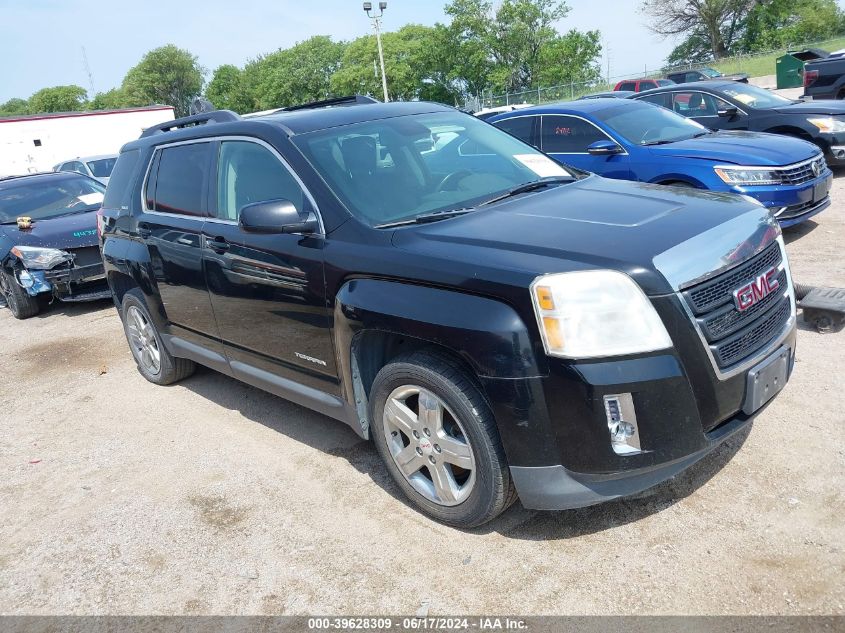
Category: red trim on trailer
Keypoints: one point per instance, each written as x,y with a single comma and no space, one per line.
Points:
71,115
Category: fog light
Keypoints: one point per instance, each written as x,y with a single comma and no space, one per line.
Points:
25,279
622,423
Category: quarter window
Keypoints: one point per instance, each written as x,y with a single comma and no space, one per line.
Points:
569,135
182,179
248,173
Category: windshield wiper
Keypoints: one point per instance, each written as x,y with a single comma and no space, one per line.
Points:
529,186
425,218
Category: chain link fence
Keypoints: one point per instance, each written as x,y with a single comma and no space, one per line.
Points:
755,65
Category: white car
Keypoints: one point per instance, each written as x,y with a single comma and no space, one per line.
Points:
98,167
486,113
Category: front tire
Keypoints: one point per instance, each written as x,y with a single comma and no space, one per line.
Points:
19,302
154,362
439,441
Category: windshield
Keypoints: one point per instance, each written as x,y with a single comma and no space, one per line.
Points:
755,97
45,198
398,168
648,124
102,168
710,72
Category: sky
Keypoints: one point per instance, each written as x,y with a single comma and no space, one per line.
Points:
41,40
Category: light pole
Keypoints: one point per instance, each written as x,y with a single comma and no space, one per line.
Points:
376,18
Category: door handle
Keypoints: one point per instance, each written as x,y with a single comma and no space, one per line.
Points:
218,244
144,230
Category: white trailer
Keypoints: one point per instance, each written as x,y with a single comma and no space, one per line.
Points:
34,143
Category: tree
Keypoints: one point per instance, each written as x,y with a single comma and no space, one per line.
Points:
719,21
14,106
58,99
295,75
570,58
467,40
226,90
167,75
111,100
414,68
782,23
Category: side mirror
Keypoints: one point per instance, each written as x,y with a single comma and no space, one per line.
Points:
728,113
604,148
276,216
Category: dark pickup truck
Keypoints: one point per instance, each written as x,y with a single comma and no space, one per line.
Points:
497,324
825,78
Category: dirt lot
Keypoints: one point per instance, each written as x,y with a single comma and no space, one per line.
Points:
118,496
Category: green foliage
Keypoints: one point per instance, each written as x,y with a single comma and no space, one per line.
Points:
570,58
14,106
289,76
110,100
58,99
227,91
779,24
167,75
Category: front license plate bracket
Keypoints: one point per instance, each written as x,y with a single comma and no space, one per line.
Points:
764,381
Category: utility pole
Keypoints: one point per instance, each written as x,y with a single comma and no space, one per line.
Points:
376,18
88,71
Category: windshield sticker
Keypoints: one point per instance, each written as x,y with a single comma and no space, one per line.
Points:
91,198
541,165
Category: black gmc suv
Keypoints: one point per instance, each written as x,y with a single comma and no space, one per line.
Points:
497,325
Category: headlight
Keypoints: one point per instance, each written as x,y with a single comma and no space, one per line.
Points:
595,313
746,176
828,125
40,258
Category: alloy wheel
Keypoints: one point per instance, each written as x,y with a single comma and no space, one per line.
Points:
429,445
143,340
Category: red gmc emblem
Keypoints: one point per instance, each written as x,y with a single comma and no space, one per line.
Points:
755,291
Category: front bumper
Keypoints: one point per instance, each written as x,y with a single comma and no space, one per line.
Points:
792,204
78,283
556,435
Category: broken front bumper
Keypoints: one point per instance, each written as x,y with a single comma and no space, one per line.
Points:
79,283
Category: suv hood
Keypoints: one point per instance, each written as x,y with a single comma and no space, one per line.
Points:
592,223
741,148
68,231
823,106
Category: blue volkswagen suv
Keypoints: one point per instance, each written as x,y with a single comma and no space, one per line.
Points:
633,140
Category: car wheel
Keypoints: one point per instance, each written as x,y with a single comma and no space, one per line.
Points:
19,302
438,438
154,362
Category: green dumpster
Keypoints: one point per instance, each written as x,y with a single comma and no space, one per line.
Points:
790,67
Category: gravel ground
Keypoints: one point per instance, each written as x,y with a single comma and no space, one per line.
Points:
211,497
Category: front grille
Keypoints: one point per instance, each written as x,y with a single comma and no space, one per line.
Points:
86,256
799,174
713,293
731,335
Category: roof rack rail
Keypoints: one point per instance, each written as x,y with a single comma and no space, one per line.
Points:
335,101
217,116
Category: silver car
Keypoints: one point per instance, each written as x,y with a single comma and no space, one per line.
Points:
98,167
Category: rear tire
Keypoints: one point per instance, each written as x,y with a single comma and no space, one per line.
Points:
154,362
427,414
21,305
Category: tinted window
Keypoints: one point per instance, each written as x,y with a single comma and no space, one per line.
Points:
249,173
647,85
76,166
520,127
568,135
627,85
101,168
182,179
661,100
119,192
694,76
693,104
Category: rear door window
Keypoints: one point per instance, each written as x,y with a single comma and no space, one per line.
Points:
182,179
694,104
563,134
521,127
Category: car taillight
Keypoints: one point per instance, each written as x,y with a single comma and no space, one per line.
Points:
810,77
101,222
